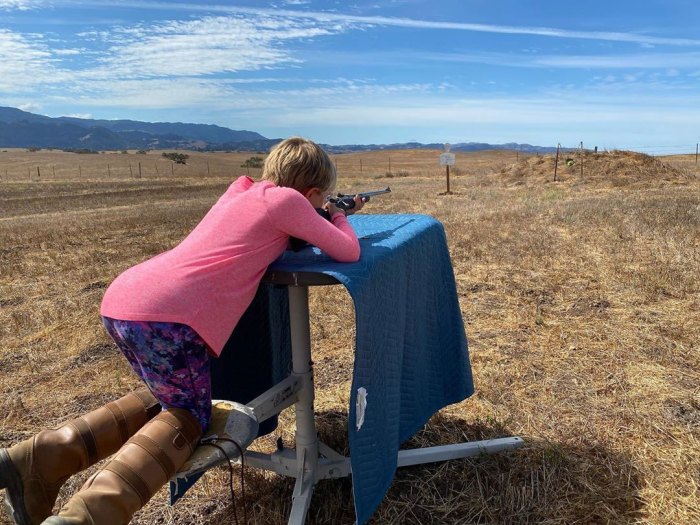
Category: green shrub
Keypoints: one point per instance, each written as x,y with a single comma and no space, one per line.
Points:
177,158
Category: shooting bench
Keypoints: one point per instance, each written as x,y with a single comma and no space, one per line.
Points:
411,359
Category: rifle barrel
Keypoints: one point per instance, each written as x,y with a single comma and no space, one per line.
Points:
378,192
369,193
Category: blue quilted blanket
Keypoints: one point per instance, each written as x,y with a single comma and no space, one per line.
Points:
411,356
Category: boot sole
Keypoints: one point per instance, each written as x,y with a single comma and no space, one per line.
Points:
11,481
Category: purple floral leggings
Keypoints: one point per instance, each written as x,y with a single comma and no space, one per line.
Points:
171,359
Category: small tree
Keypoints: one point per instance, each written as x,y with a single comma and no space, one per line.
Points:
177,158
253,162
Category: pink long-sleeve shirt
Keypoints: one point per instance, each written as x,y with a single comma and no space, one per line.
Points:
210,278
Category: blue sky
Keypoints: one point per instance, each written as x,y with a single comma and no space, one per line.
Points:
616,74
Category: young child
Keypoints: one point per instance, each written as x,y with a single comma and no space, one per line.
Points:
169,315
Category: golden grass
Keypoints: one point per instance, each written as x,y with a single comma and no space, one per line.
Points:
581,302
608,169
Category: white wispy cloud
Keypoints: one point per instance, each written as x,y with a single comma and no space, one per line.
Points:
21,5
344,18
229,94
637,61
362,90
636,85
658,60
147,93
205,46
168,50
26,61
32,107
68,52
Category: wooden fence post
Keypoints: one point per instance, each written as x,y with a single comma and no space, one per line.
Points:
556,163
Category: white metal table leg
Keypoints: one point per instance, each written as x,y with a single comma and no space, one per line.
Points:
306,439
419,456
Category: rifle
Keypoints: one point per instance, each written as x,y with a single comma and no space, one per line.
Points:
346,201
343,201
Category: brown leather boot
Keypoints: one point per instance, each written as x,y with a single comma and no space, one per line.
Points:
134,475
33,471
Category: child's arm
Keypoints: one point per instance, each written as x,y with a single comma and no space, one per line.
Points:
295,216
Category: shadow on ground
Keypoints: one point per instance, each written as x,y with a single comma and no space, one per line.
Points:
542,482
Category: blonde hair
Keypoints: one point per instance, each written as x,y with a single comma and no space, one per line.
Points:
300,164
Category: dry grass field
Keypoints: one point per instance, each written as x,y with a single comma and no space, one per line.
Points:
581,301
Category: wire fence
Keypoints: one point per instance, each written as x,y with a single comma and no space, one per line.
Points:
24,165
654,151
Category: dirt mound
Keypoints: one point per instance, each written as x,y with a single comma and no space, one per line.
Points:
610,168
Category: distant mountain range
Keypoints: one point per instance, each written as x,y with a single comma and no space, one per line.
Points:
21,129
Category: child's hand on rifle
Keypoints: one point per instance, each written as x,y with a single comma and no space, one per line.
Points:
359,203
350,204
332,208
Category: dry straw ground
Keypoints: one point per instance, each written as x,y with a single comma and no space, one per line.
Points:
581,302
